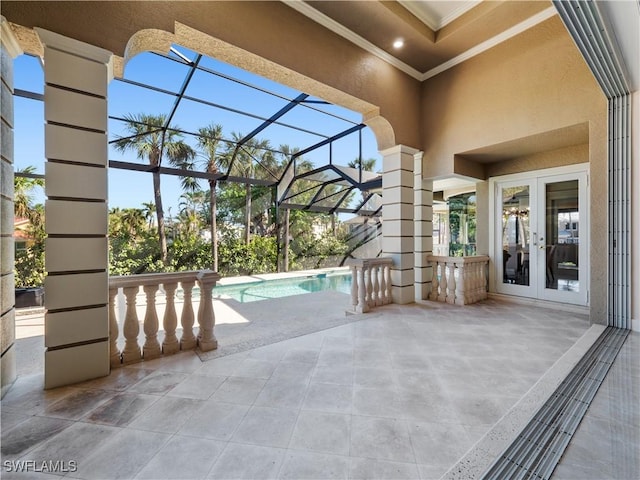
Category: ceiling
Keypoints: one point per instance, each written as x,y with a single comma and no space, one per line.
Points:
437,34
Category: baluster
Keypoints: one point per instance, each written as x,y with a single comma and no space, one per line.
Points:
362,306
170,343
188,339
477,281
367,288
470,288
451,282
433,295
460,293
206,317
131,328
442,297
151,348
375,293
483,279
354,287
381,287
114,354
387,275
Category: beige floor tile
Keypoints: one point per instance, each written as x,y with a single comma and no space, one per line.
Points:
326,397
121,409
214,420
167,414
196,457
247,462
322,432
314,466
381,439
199,387
282,392
121,456
366,468
239,390
267,426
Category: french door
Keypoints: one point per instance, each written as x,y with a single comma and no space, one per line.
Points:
541,236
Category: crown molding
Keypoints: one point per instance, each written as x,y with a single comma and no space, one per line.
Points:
492,42
338,28
327,22
434,23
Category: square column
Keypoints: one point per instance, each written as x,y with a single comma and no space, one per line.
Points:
9,50
397,220
423,229
76,286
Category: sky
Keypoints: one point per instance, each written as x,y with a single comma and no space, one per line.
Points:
131,189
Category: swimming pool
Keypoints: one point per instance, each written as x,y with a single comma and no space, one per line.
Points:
261,290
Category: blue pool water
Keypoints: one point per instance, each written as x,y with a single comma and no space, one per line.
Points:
254,291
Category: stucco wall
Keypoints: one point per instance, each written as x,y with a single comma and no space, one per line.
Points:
534,83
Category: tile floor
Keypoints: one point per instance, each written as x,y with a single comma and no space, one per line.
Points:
607,442
403,393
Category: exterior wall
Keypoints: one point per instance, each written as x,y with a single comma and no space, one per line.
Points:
8,51
536,82
76,320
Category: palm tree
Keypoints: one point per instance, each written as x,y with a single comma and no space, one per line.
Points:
152,141
209,142
247,155
23,193
190,205
149,210
367,164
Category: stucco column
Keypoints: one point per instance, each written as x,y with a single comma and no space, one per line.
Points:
9,50
423,229
397,219
76,286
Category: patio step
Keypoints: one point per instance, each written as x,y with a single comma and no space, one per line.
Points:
539,447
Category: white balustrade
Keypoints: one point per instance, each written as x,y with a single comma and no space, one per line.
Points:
150,283
370,283
459,280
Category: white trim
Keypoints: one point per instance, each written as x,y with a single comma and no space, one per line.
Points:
534,175
335,27
565,307
8,39
400,149
74,47
434,23
329,23
492,42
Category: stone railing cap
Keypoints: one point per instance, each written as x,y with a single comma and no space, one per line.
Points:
163,277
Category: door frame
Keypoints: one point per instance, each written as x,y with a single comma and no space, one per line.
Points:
534,177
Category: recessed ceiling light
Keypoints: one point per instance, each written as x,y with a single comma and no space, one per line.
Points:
399,43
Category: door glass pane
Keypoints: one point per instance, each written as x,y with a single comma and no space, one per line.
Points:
562,240
515,235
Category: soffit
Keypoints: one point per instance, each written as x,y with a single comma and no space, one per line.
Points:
542,142
434,32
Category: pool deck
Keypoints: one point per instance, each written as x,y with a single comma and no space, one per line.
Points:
425,391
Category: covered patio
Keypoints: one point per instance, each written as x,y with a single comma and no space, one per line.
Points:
502,94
